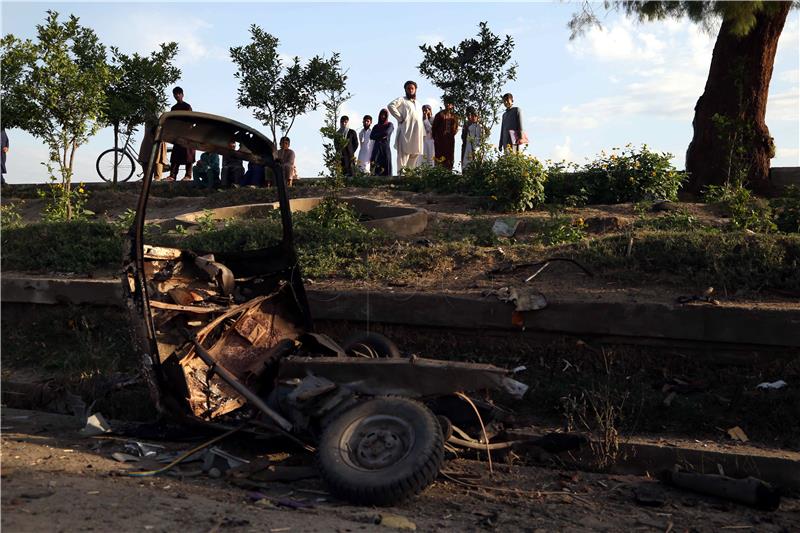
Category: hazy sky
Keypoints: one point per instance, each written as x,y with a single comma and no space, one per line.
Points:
627,83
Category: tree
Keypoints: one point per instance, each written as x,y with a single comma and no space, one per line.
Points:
137,90
731,141
278,94
334,95
56,88
473,73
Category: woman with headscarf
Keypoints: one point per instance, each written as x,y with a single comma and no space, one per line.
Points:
428,148
381,160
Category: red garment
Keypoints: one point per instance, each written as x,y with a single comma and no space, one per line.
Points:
445,127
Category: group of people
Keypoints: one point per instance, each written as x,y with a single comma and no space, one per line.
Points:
207,172
421,137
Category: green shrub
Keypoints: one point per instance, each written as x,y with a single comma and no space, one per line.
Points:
632,175
10,216
564,185
516,181
745,211
560,229
679,220
75,246
787,210
432,178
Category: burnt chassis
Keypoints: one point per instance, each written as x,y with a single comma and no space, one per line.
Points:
228,337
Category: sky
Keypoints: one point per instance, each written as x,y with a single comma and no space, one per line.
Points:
625,83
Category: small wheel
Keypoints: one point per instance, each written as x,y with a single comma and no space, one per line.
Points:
381,452
123,161
370,345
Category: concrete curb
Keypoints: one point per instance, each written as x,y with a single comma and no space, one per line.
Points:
631,321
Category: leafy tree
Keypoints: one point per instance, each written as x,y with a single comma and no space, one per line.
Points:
731,140
279,93
56,88
334,96
473,73
137,90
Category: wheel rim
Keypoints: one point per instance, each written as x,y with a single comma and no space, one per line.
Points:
364,350
376,442
124,163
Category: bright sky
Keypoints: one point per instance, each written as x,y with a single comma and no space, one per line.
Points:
627,83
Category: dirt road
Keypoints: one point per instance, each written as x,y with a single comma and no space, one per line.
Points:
55,480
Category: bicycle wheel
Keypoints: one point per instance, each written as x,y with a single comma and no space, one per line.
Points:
123,161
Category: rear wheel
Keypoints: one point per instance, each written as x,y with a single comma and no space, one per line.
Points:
115,157
381,452
370,345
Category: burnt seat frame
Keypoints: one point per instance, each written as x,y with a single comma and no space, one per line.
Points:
279,263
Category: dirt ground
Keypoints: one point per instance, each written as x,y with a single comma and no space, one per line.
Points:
55,480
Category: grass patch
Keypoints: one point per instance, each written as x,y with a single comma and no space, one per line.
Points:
731,260
76,246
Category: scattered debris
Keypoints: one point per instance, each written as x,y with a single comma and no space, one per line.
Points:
700,298
749,491
505,227
395,521
124,457
774,385
221,461
95,425
523,300
737,433
142,449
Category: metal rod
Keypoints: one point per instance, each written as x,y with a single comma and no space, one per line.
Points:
226,376
541,268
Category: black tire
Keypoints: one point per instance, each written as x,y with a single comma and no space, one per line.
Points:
381,451
105,165
372,345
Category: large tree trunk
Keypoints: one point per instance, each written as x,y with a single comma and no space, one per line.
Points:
736,90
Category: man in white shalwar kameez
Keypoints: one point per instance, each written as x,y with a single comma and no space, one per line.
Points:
410,127
365,143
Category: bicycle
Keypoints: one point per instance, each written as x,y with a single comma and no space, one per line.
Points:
124,159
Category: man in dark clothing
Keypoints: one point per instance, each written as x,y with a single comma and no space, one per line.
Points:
232,168
348,140
445,127
511,132
181,155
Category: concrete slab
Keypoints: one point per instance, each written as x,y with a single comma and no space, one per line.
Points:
636,323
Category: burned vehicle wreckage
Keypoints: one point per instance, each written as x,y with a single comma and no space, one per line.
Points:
227,339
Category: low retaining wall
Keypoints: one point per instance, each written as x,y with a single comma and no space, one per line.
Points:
624,322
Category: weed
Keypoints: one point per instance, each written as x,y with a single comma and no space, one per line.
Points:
206,222
10,216
746,211
62,203
679,220
787,210
125,220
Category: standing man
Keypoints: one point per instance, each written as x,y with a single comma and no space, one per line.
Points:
365,152
5,151
410,128
511,132
445,127
181,155
349,145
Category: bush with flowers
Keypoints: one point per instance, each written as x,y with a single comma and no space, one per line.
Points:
627,175
63,201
